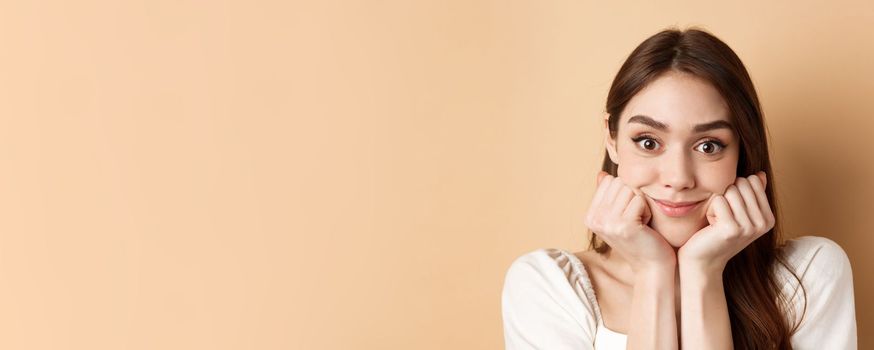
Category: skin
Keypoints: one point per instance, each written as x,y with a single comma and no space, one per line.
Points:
672,266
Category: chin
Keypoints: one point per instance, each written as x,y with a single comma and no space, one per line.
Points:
677,231
677,240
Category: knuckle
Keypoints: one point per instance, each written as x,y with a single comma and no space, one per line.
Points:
756,229
736,228
761,228
595,223
623,233
759,223
754,179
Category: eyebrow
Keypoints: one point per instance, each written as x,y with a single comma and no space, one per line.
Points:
642,119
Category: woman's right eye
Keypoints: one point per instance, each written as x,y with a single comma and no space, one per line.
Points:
646,143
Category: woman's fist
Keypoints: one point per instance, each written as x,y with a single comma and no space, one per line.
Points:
736,219
619,215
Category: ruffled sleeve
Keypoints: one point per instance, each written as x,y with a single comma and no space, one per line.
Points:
829,322
541,306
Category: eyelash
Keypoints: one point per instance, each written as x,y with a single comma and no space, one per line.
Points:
721,145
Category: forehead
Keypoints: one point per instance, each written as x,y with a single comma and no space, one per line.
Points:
679,100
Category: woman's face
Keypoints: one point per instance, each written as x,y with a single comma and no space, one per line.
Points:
675,144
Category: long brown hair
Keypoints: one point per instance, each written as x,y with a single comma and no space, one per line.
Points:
758,311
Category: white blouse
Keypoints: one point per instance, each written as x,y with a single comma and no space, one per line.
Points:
548,301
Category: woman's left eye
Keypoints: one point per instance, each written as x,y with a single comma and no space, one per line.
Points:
713,147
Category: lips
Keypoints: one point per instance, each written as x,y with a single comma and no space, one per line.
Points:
677,209
676,204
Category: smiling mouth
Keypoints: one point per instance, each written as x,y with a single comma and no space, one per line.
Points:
676,204
677,209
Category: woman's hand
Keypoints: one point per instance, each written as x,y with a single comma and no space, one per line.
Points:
735,219
619,215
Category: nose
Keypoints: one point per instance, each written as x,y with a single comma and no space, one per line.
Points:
676,171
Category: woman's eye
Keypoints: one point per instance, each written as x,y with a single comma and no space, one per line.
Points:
646,143
710,147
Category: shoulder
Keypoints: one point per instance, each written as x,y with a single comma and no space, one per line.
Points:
821,297
543,260
816,258
545,270
555,269
543,301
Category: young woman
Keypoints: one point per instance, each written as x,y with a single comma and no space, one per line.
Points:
685,250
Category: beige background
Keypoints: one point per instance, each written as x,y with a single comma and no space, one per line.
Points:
359,174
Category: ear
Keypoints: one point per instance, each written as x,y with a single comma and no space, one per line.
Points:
610,143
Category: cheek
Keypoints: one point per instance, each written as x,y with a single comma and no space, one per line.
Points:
638,172
720,177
